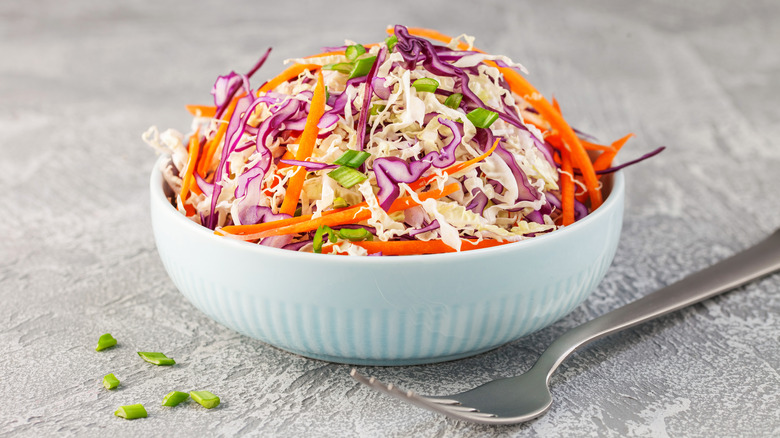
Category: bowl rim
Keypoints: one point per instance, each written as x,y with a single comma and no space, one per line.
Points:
611,202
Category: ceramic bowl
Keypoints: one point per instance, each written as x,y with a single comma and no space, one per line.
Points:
387,310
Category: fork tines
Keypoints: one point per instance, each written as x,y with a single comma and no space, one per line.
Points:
446,406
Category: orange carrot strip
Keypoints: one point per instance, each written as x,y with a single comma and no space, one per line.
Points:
305,147
187,179
556,105
455,168
201,110
604,161
420,183
536,121
209,148
291,72
580,158
398,205
286,156
324,54
416,247
567,187
336,52
524,89
596,147
349,215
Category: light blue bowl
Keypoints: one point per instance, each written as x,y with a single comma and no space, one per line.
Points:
387,310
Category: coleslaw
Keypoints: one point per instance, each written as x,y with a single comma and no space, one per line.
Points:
405,146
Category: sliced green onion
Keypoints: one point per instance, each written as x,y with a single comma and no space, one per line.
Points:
482,118
355,234
376,109
110,381
362,66
347,176
131,412
342,67
352,158
327,93
317,240
105,341
156,358
205,398
390,42
425,84
453,100
354,51
340,202
173,398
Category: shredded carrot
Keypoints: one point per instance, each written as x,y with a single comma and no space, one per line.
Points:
556,105
596,147
286,156
567,188
201,110
188,178
536,121
324,54
342,216
524,89
580,158
211,146
354,215
455,168
305,147
336,52
290,73
416,247
420,183
604,161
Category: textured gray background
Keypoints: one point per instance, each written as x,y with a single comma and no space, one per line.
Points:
80,81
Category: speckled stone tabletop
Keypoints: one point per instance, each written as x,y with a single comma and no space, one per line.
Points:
81,80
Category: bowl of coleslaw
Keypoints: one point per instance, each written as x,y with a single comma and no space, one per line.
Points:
395,203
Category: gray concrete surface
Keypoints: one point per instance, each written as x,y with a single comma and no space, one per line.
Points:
80,81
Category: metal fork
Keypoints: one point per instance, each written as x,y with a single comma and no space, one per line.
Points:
527,396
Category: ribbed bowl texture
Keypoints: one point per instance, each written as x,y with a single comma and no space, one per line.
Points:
387,310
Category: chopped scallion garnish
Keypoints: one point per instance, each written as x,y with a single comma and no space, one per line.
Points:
425,84
376,109
362,66
340,202
342,67
352,158
173,398
105,341
131,412
156,358
354,51
390,42
319,234
205,398
347,176
110,381
482,118
453,100
355,234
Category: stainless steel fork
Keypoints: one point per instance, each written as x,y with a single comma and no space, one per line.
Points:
527,396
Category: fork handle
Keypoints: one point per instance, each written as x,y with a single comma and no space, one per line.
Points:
757,261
